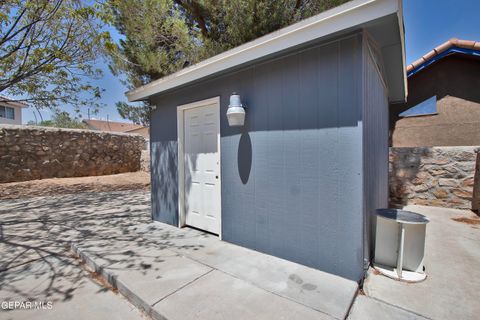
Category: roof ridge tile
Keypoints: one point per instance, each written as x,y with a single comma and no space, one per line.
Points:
452,42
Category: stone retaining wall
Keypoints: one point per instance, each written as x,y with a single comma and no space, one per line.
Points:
145,161
433,176
28,153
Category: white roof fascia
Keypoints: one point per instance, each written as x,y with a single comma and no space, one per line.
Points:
402,42
11,103
343,17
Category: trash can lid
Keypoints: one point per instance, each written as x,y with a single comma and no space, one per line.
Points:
402,216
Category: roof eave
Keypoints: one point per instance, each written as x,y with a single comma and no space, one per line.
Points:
402,41
398,93
13,103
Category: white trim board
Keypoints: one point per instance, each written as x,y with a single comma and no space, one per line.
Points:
346,16
180,161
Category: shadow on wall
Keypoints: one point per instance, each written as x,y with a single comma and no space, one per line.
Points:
164,173
279,95
244,157
404,167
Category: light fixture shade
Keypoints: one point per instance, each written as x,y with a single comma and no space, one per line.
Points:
235,112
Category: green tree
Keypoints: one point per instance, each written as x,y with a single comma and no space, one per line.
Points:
136,114
47,52
62,120
160,37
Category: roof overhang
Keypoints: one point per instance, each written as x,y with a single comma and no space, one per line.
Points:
12,103
383,19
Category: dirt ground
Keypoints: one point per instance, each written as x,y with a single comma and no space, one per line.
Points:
139,180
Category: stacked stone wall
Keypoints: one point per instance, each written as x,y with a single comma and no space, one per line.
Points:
435,176
29,153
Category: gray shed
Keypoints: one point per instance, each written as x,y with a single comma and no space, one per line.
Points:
301,178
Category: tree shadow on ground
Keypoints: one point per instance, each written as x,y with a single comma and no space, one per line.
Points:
36,234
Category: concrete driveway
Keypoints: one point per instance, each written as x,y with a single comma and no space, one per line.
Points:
36,263
167,272
187,274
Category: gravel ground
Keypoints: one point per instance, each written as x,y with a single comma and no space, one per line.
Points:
139,180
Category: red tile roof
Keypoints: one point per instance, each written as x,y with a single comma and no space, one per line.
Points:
111,125
454,42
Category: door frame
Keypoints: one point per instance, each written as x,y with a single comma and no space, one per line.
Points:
181,157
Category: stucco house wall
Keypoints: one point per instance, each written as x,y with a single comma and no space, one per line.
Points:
144,131
293,176
17,115
455,80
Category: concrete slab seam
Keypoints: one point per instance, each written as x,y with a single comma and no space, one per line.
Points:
400,308
116,283
350,306
184,286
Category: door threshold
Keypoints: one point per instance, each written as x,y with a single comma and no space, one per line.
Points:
201,230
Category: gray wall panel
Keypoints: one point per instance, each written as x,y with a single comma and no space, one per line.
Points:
292,176
349,162
375,136
164,174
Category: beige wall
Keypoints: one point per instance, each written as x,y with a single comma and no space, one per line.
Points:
455,80
145,132
18,117
456,124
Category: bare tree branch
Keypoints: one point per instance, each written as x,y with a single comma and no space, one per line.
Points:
47,52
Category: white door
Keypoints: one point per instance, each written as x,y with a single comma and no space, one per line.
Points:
202,167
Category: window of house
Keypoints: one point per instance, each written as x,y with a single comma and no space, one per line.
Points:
7,112
424,108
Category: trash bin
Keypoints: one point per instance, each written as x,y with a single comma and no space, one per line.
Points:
400,244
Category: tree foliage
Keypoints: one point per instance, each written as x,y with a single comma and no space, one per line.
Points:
62,120
137,114
160,37
47,52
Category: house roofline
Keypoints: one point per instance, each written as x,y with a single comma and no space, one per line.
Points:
345,17
12,102
453,45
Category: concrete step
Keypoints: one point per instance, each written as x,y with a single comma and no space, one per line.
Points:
192,275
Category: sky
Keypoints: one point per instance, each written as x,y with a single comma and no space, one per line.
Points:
428,23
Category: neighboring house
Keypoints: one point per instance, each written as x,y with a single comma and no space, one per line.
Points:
115,126
302,177
443,106
11,111
144,131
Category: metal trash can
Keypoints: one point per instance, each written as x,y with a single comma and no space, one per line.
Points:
400,244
